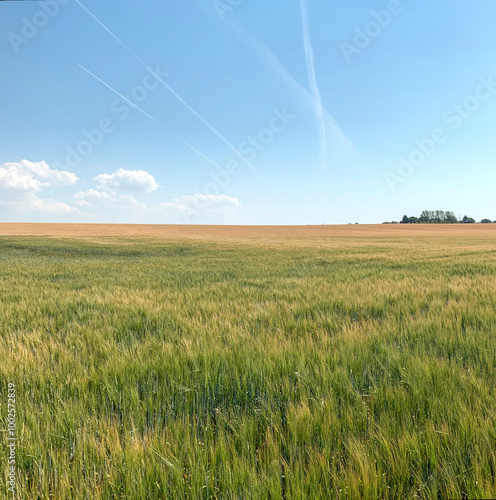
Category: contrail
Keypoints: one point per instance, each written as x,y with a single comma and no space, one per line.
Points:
313,81
169,88
115,92
251,42
271,60
151,117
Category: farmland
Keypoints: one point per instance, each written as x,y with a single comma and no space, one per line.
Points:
340,362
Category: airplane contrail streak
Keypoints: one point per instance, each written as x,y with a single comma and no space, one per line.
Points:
151,118
115,92
270,59
309,56
169,88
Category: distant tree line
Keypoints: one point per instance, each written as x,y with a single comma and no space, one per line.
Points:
438,217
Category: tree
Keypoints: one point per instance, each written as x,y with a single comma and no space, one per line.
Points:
426,216
451,218
439,217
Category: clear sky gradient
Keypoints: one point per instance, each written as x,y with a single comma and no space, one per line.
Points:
246,111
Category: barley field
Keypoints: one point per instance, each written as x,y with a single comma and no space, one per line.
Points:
170,362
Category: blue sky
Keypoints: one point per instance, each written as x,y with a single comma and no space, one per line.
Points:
239,112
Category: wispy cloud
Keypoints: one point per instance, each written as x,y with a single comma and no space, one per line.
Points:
168,87
312,79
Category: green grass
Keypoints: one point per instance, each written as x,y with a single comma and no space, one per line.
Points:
349,368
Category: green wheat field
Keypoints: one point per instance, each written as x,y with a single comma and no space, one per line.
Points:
282,364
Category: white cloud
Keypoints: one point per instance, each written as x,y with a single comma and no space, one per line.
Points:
21,181
92,197
220,202
135,181
28,203
33,176
113,206
11,178
52,206
107,199
111,199
198,204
